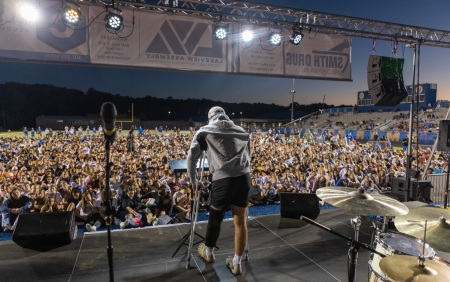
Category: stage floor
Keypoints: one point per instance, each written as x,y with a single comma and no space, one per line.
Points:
280,249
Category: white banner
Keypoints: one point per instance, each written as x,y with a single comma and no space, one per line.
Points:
109,47
323,56
47,40
166,41
257,56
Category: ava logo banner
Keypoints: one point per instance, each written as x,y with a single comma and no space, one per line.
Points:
183,43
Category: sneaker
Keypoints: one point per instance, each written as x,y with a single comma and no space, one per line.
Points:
203,255
90,228
235,269
124,224
97,224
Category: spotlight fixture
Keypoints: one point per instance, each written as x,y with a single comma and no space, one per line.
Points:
71,16
296,38
28,11
221,31
247,35
275,38
113,21
297,35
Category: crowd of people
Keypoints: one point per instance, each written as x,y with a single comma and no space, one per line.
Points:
66,172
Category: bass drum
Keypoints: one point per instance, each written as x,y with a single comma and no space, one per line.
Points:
393,243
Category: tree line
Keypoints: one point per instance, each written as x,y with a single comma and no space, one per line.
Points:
22,103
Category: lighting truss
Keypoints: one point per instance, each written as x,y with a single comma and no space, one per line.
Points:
313,21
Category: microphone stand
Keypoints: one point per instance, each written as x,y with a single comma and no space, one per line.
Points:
109,213
353,251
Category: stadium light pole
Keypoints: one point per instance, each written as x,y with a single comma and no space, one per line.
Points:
410,132
292,104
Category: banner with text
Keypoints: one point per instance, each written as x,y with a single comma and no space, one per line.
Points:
46,40
158,40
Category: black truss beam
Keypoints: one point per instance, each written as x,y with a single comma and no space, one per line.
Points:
312,21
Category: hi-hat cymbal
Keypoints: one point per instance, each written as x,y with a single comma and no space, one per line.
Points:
407,268
438,228
361,202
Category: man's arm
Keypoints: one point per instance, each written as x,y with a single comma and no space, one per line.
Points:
193,156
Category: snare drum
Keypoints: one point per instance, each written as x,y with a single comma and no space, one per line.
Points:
393,243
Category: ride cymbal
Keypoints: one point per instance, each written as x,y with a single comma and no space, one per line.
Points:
438,228
361,202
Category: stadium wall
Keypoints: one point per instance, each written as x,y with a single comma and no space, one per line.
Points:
426,138
60,122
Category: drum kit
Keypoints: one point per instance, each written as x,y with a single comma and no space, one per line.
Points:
406,255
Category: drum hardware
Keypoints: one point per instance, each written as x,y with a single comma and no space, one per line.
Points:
398,244
354,245
361,203
354,248
394,243
375,233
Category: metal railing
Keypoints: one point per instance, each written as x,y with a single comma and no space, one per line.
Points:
439,182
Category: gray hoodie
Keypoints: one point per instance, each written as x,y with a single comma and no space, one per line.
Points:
228,149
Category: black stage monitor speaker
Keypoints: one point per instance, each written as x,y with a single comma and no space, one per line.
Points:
385,80
45,231
294,205
399,186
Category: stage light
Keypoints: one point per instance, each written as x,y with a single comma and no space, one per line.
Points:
275,38
113,21
71,16
221,31
247,35
296,37
28,11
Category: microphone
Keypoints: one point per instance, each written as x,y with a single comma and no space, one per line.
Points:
108,113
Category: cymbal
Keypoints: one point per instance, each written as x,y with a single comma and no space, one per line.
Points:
438,228
361,202
407,268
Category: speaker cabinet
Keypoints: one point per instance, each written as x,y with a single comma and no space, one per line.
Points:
45,231
385,80
294,205
400,187
444,138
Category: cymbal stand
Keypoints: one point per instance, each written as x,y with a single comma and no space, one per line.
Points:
354,249
355,244
422,257
375,233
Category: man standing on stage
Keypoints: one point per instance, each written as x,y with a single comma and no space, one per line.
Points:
227,149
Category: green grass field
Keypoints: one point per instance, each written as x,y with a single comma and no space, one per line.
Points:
11,134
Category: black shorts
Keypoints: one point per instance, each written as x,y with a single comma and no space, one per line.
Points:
230,191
